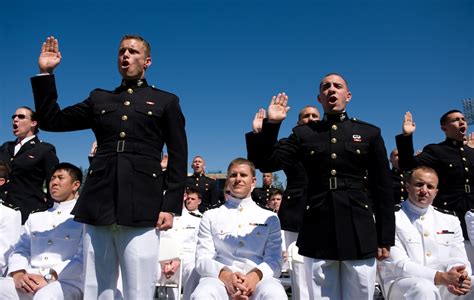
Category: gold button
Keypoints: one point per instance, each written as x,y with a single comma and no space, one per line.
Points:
59,212
11,159
312,152
426,234
154,175
90,172
149,113
126,103
445,203
366,206
241,243
333,140
122,134
450,165
466,168
102,111
197,184
241,208
467,180
258,232
45,258
422,218
130,91
67,237
333,155
288,197
240,225
358,151
402,190
464,159
333,172
124,118
428,253
462,149
334,127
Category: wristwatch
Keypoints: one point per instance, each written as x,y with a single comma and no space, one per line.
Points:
48,277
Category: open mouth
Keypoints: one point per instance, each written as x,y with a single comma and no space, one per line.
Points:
125,64
332,99
463,130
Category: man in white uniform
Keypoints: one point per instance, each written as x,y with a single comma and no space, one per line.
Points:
428,260
47,261
10,223
238,253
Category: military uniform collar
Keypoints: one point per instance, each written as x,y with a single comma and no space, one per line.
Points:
131,84
454,143
234,202
198,174
267,186
335,118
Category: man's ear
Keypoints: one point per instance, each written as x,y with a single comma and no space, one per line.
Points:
147,62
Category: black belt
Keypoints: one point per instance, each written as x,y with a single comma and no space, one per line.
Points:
335,183
127,146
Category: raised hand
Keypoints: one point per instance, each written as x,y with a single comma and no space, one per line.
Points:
50,57
408,126
278,108
470,140
258,120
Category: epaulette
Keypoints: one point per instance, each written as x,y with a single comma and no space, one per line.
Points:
217,205
361,122
9,205
445,211
398,207
195,215
36,210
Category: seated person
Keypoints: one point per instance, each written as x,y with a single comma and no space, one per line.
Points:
47,261
238,254
274,201
428,260
10,223
184,231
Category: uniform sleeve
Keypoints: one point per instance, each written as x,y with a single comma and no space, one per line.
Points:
206,265
406,158
272,260
21,256
177,146
10,228
380,182
50,116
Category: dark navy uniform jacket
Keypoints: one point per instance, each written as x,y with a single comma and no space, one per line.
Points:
454,163
293,204
338,153
207,187
399,190
30,170
131,124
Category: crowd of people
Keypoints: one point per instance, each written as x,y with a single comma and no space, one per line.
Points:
355,221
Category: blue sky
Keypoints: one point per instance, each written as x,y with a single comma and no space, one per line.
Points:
226,58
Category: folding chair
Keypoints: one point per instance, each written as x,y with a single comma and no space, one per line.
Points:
169,251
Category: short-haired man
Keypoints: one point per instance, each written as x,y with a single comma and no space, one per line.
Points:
275,200
451,159
345,160
206,186
30,161
122,202
398,178
10,223
428,260
47,261
261,195
239,244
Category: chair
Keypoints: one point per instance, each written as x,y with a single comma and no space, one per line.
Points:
295,262
169,251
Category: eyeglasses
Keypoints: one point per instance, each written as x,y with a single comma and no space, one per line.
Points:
20,116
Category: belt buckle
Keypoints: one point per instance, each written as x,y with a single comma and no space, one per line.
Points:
333,183
120,146
467,188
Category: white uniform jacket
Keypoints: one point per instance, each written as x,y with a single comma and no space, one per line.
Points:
51,240
434,242
240,235
10,227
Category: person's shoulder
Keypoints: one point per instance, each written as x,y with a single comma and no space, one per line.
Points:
8,209
444,213
363,123
161,92
43,144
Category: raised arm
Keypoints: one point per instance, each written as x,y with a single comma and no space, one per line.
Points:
408,126
278,108
50,57
258,120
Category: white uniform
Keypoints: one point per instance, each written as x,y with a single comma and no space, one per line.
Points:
239,235
50,240
185,230
10,227
426,241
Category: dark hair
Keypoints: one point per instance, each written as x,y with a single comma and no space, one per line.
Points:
444,117
422,168
337,74
72,170
276,192
33,117
192,190
4,170
242,161
141,39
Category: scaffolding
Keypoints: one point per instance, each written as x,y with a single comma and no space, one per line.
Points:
467,105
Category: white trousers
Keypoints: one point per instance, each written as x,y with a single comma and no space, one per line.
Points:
132,250
55,290
211,288
412,288
299,284
346,280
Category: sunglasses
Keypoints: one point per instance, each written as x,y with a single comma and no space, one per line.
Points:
19,116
